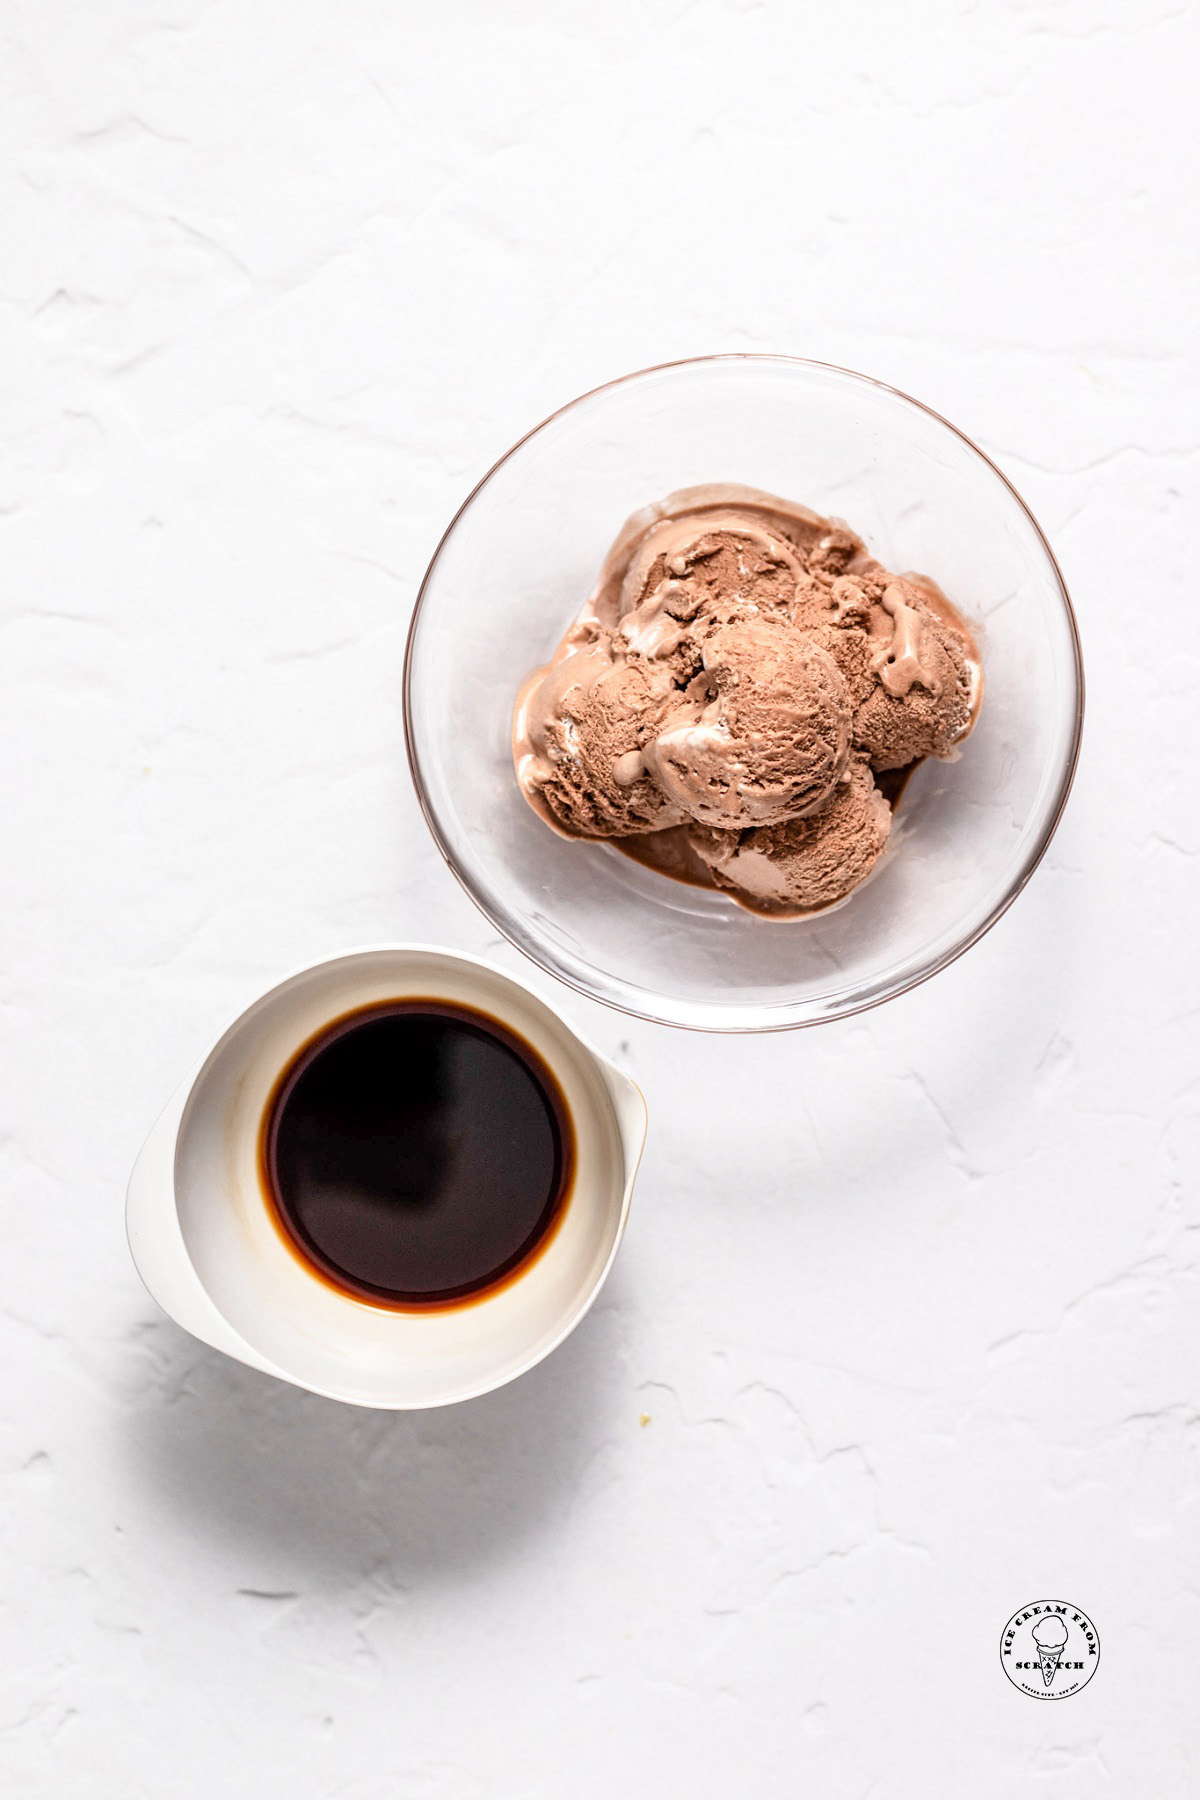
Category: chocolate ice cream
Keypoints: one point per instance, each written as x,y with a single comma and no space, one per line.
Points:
804,864
721,705
579,732
924,700
761,734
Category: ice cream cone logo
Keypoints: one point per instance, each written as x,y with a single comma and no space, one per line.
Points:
1050,1636
1050,1649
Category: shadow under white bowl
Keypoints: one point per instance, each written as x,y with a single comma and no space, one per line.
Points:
522,554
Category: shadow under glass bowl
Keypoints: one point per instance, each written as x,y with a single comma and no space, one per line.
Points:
521,556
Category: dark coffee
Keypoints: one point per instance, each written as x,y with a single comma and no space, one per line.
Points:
417,1153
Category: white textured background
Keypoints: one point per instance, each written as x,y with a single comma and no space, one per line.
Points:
911,1302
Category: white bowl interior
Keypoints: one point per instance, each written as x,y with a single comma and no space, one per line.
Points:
338,1345
524,553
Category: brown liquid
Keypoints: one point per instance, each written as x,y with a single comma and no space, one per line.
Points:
416,1153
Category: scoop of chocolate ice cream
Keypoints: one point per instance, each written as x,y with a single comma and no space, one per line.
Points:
740,668
767,739
922,700
715,562
580,729
803,864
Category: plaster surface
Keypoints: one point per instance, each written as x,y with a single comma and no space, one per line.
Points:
905,1332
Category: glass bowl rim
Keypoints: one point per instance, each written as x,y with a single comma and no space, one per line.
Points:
766,1016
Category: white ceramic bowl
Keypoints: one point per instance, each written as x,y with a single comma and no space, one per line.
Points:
207,1250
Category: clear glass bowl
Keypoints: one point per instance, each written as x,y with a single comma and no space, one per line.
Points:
522,554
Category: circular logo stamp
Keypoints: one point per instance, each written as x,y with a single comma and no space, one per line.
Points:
1050,1649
